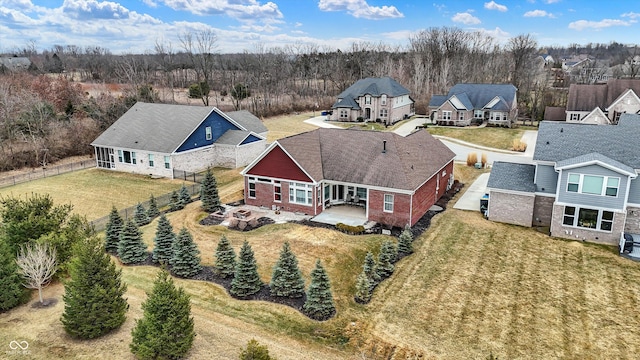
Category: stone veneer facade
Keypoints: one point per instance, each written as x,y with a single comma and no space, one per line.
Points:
591,235
542,209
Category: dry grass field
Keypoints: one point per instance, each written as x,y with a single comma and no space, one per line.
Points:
287,125
495,137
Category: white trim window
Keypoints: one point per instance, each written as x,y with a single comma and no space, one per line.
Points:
384,113
344,114
151,160
383,99
574,117
367,100
461,115
388,203
251,185
208,133
127,157
478,114
593,184
588,218
446,115
300,193
167,162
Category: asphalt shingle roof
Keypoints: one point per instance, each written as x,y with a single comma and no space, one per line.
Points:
558,141
583,97
163,127
481,94
356,156
374,87
512,176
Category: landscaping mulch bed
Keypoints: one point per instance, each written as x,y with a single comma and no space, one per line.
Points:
216,220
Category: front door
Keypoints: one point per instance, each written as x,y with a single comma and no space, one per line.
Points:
367,114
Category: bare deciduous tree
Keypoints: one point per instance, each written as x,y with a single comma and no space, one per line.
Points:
37,265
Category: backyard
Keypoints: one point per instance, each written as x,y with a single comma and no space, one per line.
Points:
494,137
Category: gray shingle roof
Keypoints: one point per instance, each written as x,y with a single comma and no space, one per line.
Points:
594,157
558,141
248,121
233,137
512,176
464,99
481,94
437,100
163,127
347,102
555,113
374,87
356,156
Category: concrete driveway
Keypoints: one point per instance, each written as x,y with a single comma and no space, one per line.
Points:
470,200
320,121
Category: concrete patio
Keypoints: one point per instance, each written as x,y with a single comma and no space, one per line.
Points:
346,214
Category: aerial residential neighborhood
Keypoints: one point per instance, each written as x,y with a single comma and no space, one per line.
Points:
319,180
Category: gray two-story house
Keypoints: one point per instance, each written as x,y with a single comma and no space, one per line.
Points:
583,183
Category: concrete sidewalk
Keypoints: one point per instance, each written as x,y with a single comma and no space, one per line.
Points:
470,200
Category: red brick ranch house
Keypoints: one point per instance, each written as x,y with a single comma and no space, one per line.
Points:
394,179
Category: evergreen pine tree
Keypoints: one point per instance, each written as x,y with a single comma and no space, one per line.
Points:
286,280
184,196
131,249
93,297
319,303
386,257
166,328
140,216
12,293
185,261
255,351
246,280
363,288
209,193
163,242
114,227
225,258
405,242
152,211
369,268
174,202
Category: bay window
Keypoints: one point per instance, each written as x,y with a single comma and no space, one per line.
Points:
300,193
588,218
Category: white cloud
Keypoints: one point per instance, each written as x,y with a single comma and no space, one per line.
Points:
297,24
598,25
150,3
538,13
552,1
500,35
465,18
631,15
92,9
242,10
492,5
360,9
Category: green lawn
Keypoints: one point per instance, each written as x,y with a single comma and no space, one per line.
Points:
495,137
92,192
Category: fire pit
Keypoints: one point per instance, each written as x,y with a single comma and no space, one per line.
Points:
242,214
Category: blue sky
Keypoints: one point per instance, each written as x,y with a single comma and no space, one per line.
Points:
135,26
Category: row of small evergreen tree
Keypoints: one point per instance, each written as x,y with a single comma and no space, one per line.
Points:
286,279
374,272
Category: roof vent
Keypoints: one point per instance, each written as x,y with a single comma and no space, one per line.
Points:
561,129
384,146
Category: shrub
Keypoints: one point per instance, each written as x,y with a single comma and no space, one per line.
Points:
255,351
354,230
472,159
199,90
363,288
519,145
386,258
405,241
12,293
483,159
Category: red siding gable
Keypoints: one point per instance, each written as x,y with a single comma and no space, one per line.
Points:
277,164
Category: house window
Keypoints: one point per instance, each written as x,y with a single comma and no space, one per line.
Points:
388,202
446,115
133,157
574,117
167,163
478,114
344,114
120,159
460,115
593,185
277,191
383,99
384,113
207,132
569,215
588,218
361,193
300,193
367,100
128,157
151,160
252,187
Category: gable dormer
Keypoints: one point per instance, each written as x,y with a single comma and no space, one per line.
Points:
596,116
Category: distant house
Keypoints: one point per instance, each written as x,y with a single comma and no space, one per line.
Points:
583,183
373,99
496,104
394,179
160,139
603,103
14,63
